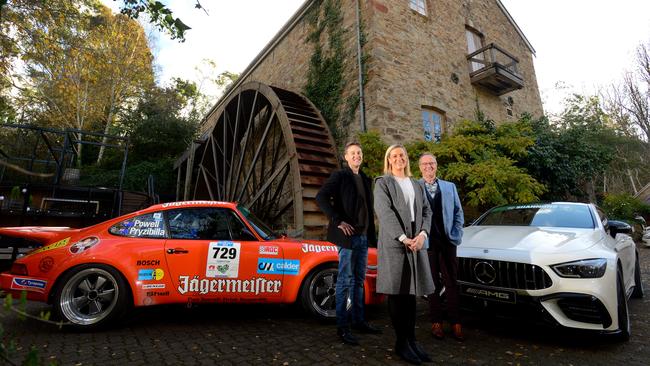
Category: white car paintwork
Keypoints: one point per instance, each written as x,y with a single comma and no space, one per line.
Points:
548,246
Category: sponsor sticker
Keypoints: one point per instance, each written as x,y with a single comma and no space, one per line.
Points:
315,248
28,284
82,245
203,286
46,264
58,244
157,216
223,259
157,293
150,274
269,250
148,262
151,286
278,266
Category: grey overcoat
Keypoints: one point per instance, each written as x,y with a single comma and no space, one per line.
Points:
401,271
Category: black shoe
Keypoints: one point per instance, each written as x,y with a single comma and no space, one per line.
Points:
419,351
406,353
365,327
346,336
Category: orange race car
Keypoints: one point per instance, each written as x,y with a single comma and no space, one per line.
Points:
179,252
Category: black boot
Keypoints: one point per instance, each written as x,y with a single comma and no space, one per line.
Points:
406,353
419,351
346,336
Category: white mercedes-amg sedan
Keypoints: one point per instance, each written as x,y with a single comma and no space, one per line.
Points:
561,262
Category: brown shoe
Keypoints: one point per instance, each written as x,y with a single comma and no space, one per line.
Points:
436,330
457,331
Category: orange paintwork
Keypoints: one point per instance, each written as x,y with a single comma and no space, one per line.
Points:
157,277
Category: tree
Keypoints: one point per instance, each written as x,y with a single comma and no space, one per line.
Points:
126,63
81,63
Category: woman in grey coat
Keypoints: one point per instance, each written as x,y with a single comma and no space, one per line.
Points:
403,267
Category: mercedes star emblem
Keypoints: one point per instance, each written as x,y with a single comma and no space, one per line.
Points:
485,273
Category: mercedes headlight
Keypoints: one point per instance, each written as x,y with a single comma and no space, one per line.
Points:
585,268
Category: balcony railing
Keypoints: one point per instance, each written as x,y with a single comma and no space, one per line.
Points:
495,69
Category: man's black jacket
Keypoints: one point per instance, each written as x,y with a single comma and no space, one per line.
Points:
339,200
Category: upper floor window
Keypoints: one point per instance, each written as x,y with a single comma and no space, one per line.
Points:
474,43
433,123
419,5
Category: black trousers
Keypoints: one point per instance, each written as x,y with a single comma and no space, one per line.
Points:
402,314
444,270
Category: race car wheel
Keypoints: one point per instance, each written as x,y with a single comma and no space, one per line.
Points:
623,313
638,283
91,296
318,293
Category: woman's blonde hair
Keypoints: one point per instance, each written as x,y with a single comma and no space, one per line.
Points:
387,167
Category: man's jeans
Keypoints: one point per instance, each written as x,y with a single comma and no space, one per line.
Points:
352,273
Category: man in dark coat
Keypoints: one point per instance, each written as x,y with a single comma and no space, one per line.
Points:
445,236
346,199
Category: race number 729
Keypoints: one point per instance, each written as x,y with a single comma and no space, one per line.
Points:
224,253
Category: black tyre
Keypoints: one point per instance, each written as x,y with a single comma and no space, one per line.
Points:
318,292
638,283
623,313
91,296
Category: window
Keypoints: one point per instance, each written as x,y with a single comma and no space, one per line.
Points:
474,43
432,121
544,215
419,6
207,224
143,226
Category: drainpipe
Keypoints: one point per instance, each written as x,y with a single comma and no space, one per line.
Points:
362,104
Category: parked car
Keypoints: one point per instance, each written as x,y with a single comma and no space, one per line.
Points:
180,252
564,262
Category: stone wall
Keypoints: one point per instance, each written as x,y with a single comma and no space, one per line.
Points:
413,58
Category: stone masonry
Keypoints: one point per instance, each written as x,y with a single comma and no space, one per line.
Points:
413,61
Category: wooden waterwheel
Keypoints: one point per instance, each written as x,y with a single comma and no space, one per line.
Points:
271,151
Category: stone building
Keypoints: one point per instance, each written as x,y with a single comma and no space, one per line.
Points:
418,78
409,69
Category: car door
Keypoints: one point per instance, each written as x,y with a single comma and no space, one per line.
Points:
624,247
212,256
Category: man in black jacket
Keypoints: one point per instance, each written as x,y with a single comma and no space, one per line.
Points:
346,199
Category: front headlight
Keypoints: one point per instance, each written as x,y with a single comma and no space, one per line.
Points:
585,268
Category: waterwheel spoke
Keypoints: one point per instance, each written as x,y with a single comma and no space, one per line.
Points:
259,149
269,181
246,136
234,144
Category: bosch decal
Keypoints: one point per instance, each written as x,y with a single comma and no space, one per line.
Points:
314,248
150,274
269,250
28,284
148,262
278,266
256,285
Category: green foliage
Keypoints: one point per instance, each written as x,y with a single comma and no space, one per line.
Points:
373,153
479,157
569,157
624,207
326,77
160,16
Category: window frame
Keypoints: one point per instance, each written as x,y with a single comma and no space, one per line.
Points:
443,122
419,6
229,215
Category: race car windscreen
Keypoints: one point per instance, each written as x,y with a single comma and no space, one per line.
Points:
260,227
545,215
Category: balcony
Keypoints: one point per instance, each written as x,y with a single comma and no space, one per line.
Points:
494,69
